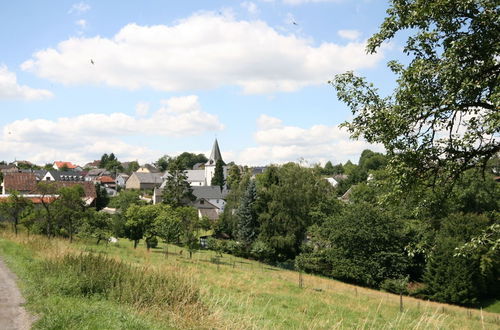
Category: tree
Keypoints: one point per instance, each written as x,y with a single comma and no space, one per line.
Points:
190,227
140,222
233,176
188,160
362,244
168,225
122,202
458,279
111,163
47,191
162,163
443,117
286,194
248,227
102,198
69,209
14,208
177,191
97,225
132,166
218,178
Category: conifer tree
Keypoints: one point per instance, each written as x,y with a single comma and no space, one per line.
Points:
247,218
218,178
177,191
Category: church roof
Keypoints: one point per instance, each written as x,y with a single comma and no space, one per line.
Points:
215,155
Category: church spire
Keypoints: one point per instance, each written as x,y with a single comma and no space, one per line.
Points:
215,155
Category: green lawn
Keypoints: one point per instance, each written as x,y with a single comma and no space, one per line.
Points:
237,293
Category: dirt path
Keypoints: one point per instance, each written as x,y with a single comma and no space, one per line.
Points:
13,315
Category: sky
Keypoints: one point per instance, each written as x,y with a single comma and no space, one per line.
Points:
143,79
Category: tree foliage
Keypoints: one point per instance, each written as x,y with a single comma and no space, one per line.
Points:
111,163
458,279
443,116
177,191
248,227
14,208
218,178
362,244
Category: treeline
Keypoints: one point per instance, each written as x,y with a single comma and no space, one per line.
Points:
62,212
439,243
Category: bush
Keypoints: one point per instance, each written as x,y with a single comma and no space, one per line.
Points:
399,285
152,242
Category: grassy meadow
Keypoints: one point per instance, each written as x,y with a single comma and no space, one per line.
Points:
88,286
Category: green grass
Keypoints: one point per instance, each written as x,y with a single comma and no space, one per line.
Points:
60,311
240,293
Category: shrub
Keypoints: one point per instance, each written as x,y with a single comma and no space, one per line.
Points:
398,285
152,242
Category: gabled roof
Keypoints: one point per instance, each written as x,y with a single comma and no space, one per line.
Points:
22,182
150,168
97,172
95,163
209,192
148,177
215,155
106,179
209,213
66,175
68,164
192,176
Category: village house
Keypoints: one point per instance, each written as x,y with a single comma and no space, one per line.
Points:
121,179
148,168
26,185
144,181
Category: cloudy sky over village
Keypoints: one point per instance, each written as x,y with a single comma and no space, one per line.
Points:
147,78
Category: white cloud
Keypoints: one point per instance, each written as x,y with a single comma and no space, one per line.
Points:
84,137
317,144
349,34
142,109
266,122
81,23
11,90
204,51
79,8
251,7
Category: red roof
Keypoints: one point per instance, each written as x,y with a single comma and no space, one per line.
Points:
106,179
22,182
61,164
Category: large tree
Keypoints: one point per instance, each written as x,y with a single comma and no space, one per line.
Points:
218,178
443,116
248,227
177,191
14,207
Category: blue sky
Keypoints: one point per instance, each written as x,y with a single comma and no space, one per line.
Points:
170,76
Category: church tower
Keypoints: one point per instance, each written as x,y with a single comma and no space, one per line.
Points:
215,155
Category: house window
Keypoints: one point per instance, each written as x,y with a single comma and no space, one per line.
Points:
47,178
202,202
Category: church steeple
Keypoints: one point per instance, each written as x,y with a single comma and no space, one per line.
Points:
215,155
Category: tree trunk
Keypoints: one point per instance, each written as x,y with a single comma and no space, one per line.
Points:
15,226
135,243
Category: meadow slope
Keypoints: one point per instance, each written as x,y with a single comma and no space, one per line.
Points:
232,293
